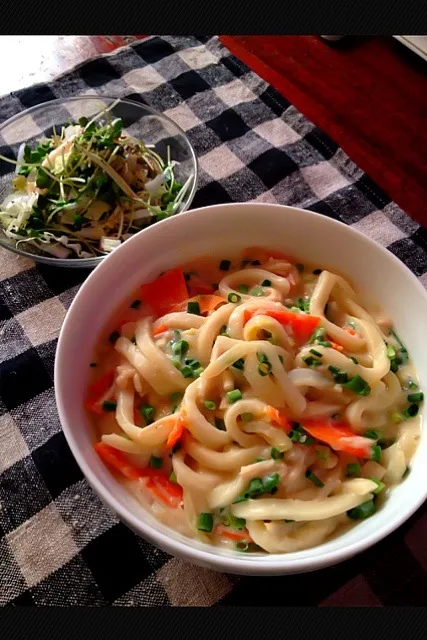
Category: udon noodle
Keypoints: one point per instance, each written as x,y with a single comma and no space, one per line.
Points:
254,403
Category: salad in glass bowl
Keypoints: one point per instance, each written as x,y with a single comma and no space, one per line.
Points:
84,187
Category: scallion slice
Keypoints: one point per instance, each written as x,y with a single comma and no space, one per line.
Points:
234,297
364,510
314,479
193,307
209,404
358,385
205,522
234,395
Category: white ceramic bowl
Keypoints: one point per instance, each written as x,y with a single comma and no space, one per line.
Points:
223,230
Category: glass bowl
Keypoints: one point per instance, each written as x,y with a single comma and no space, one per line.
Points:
139,121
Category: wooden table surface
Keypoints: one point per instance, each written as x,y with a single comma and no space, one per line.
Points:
368,94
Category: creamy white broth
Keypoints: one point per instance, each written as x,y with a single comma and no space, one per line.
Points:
261,384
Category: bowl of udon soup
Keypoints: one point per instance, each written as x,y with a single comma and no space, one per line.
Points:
243,386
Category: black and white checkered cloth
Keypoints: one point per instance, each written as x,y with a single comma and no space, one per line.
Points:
58,544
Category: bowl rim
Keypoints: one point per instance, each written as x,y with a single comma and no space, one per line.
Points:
93,262
183,549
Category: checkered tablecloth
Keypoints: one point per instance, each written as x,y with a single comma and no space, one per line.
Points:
58,544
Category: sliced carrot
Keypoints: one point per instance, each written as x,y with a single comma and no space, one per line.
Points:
232,534
336,346
99,387
118,461
339,437
301,324
157,479
197,286
97,390
278,417
160,329
207,303
173,488
165,292
163,493
177,432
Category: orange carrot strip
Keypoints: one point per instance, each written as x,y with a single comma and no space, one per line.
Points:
337,347
160,329
352,332
118,461
165,292
162,493
176,432
225,532
339,437
278,417
302,325
97,390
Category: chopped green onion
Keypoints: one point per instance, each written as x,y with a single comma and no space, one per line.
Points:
256,488
224,265
318,334
411,411
205,522
364,510
156,462
242,288
234,297
317,272
276,454
259,460
209,404
280,358
391,352
358,385
220,424
239,364
180,348
234,395
246,417
416,397
270,482
314,479
242,546
407,470
397,417
353,469
288,521
223,330
316,353
376,453
299,435
114,337
109,405
266,283
187,371
380,485
193,307
412,384
92,364
372,434
333,370
355,360
172,478
147,412
135,304
311,362
256,291
133,340
264,368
